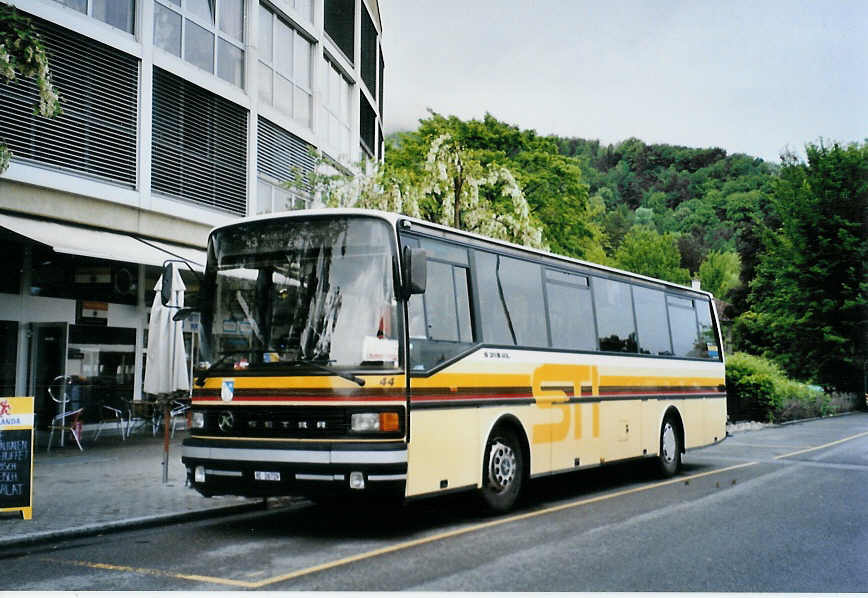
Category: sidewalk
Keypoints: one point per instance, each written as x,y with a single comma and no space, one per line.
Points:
113,484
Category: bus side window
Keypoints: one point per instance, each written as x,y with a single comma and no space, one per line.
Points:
652,321
521,282
706,345
683,324
495,327
440,323
614,305
571,314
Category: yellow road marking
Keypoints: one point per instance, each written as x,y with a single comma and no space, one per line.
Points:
822,446
768,446
430,539
481,526
155,572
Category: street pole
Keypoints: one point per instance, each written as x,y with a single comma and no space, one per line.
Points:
166,440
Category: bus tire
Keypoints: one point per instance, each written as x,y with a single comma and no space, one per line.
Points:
669,457
503,470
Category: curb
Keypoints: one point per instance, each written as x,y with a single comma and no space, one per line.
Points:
819,417
129,524
795,421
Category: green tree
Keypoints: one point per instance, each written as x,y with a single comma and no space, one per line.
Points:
552,184
809,300
616,224
645,251
719,273
22,53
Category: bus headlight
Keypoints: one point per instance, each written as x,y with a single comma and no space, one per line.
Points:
386,421
197,419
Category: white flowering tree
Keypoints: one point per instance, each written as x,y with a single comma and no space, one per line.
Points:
372,187
22,54
452,188
477,198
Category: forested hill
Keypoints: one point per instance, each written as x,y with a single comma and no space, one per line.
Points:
703,195
632,169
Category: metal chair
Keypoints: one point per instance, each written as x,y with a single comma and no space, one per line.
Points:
109,415
145,412
179,408
58,422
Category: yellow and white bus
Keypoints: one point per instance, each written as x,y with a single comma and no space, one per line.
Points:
355,352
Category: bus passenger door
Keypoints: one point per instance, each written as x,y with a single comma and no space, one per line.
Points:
557,389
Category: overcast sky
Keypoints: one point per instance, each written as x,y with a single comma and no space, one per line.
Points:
748,76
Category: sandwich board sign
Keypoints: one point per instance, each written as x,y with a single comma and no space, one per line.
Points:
16,455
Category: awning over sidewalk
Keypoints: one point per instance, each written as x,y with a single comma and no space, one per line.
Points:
121,247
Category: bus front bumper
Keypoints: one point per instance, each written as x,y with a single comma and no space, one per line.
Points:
245,468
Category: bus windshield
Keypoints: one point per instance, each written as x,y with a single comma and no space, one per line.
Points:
290,292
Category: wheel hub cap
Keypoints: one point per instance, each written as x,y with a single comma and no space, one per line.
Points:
669,443
501,466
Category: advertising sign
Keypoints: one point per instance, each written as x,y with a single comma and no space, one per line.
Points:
16,455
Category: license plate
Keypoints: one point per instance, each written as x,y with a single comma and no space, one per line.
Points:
267,476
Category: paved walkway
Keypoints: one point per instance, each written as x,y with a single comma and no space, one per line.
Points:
112,484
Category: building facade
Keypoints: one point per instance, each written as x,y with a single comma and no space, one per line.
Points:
178,115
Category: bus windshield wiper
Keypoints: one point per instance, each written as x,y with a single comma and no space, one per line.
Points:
322,367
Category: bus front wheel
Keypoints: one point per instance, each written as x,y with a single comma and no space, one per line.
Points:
503,470
669,458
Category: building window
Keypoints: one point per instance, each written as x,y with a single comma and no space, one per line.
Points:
282,157
380,89
367,127
272,196
199,145
206,33
340,16
303,7
117,13
96,134
335,111
368,58
284,67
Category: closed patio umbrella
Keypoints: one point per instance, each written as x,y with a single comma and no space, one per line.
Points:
166,372
167,359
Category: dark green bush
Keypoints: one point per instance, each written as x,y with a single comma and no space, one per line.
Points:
757,388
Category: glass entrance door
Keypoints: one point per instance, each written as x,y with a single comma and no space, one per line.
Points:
8,357
47,361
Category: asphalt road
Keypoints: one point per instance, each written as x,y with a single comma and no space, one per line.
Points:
782,509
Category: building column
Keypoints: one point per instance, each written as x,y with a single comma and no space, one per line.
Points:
24,332
141,309
251,59
146,107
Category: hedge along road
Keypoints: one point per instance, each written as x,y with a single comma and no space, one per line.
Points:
779,509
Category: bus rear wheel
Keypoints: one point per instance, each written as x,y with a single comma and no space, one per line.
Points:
503,470
669,457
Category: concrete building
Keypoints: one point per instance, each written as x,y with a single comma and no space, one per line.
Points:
178,115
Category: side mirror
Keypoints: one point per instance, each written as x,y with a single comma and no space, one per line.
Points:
166,290
415,271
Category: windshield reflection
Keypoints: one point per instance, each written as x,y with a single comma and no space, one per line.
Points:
288,291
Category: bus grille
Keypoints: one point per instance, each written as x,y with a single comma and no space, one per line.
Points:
283,422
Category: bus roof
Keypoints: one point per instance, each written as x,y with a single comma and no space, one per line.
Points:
394,218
